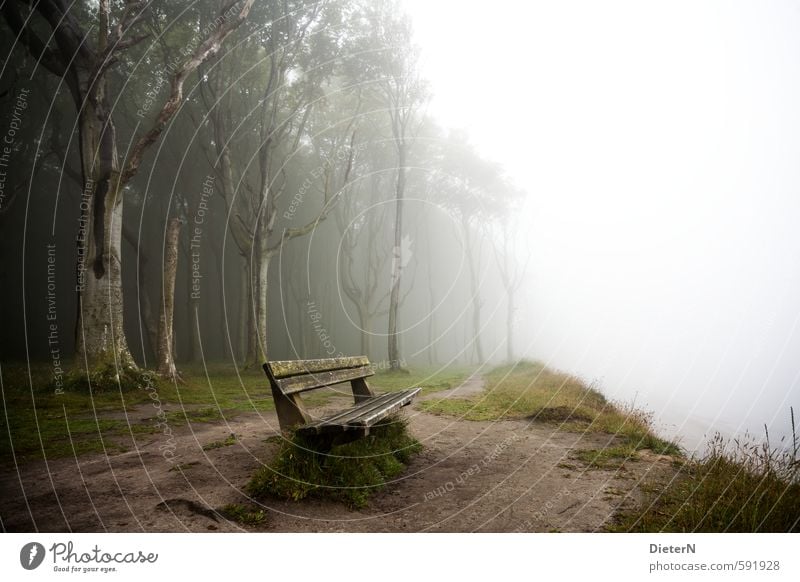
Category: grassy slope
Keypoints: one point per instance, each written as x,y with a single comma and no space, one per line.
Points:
739,486
44,424
530,390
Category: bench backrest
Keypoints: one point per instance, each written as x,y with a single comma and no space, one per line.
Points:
295,376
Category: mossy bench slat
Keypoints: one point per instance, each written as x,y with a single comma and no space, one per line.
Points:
289,378
313,380
287,368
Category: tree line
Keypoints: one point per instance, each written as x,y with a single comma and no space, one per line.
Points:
262,178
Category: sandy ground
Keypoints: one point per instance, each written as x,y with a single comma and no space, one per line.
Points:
502,476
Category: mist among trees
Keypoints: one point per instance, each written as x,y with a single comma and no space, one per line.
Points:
243,181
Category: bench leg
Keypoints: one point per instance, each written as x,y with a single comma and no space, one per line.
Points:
290,409
361,390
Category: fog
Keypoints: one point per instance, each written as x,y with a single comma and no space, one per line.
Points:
659,145
612,188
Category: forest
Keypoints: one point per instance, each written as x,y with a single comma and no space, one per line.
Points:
243,181
398,266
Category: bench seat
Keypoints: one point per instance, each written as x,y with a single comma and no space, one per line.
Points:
362,416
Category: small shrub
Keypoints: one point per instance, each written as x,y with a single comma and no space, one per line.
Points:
348,472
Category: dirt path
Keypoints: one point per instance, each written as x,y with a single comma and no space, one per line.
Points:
472,476
469,387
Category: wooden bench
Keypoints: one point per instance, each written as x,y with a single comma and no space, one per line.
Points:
289,378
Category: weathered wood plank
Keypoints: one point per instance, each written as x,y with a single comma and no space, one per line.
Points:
361,417
287,368
371,417
337,417
344,416
296,384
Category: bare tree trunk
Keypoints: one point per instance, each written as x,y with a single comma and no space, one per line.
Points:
252,313
145,305
510,327
474,291
165,356
365,322
432,357
397,260
244,313
192,310
100,335
261,287
511,276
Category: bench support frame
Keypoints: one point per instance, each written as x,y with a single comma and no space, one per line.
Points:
294,377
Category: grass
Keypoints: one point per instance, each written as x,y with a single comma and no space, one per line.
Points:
243,515
529,390
738,486
36,422
349,472
607,457
429,379
230,440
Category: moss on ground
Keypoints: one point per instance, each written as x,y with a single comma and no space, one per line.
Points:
349,472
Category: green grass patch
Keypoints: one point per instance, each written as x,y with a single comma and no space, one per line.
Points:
31,406
244,515
59,438
530,390
606,458
231,440
738,486
429,379
348,473
36,421
205,414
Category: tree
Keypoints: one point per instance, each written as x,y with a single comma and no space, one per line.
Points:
165,351
285,85
393,69
85,68
363,222
473,190
512,274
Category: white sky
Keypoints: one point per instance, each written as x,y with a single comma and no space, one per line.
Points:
660,145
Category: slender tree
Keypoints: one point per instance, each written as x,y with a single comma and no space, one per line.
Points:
403,94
